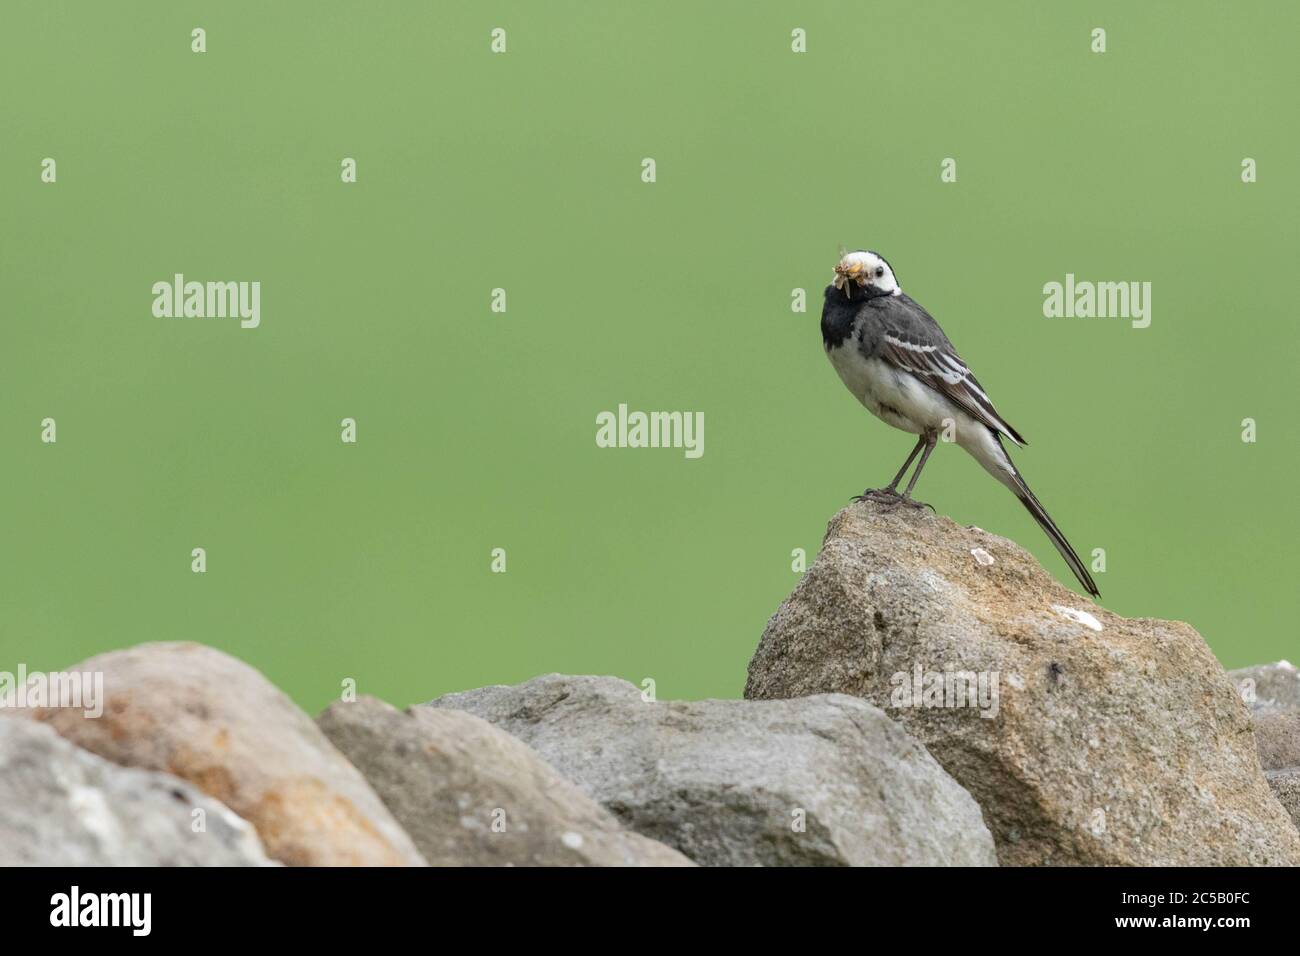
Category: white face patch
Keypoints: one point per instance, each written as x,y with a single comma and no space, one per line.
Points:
868,269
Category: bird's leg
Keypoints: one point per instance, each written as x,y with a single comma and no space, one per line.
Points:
893,485
891,493
930,439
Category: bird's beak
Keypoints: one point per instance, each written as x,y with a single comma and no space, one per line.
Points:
846,276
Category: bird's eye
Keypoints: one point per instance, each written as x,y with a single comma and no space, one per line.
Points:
879,272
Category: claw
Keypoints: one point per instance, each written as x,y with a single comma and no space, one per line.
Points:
891,499
883,495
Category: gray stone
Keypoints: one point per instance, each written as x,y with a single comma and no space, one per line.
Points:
821,781
205,717
1115,741
1269,688
470,794
1286,785
1277,735
62,806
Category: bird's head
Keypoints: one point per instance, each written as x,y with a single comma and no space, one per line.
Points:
866,271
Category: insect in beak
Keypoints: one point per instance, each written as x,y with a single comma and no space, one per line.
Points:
846,276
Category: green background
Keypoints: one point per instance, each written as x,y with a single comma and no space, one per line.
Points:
522,170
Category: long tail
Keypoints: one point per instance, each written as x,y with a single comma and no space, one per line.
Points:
1006,472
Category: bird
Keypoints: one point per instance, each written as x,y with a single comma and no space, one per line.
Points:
896,360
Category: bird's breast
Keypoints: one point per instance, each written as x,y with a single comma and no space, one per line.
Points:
894,397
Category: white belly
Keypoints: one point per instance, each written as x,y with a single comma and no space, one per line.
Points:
900,400
892,396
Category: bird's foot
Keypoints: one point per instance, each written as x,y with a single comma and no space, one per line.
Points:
891,498
882,495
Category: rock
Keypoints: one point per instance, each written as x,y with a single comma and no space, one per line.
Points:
1110,741
203,716
1277,735
1286,785
824,780
1269,688
470,794
62,806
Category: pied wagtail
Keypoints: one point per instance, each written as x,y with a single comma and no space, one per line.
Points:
894,358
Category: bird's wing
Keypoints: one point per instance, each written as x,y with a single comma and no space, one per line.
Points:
912,341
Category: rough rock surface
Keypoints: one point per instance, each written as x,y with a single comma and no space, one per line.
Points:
1269,688
470,794
1277,736
1286,784
62,806
205,717
824,780
1115,741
